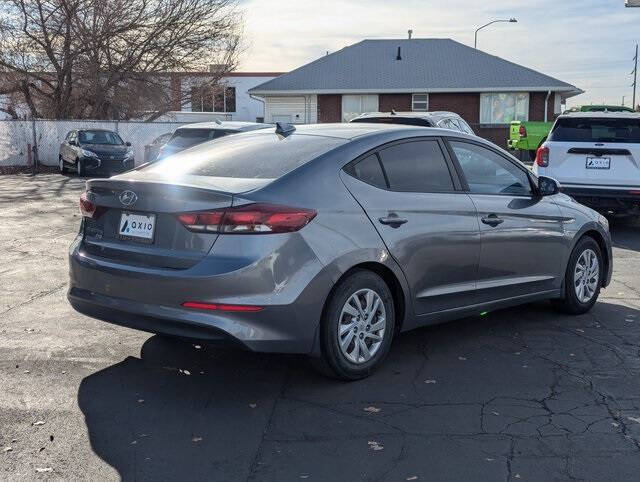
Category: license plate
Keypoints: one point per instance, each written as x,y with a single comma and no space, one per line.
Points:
138,227
598,162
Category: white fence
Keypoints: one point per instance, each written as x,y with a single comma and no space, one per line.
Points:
17,136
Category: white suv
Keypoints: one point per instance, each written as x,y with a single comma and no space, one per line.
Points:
596,158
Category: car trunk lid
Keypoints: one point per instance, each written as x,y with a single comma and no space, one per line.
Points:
159,202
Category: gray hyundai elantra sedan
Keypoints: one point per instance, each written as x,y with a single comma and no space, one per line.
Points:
328,240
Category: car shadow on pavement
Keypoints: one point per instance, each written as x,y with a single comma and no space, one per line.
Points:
492,390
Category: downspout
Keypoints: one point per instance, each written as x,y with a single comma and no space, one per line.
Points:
264,106
546,106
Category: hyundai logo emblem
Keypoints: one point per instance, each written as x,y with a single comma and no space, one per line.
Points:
128,198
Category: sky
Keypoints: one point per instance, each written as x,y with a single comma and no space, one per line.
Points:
588,43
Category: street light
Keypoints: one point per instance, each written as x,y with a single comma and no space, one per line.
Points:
475,42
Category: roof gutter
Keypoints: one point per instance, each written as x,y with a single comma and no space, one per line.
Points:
568,91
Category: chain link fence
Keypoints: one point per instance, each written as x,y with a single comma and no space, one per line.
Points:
31,142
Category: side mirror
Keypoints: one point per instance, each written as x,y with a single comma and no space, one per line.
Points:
548,186
73,143
128,144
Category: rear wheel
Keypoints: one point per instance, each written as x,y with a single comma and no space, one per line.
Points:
357,327
583,278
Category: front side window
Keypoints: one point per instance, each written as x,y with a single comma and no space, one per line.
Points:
502,108
354,105
420,102
417,166
489,173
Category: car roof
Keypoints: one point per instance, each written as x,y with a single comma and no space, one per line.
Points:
601,114
95,130
227,125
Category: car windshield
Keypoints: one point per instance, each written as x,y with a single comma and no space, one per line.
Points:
256,156
594,129
100,137
184,138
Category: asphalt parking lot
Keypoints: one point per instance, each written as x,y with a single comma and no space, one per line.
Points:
520,394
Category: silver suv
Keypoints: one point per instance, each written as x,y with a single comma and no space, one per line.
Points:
596,158
442,119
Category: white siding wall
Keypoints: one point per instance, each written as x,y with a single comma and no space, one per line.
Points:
247,108
295,109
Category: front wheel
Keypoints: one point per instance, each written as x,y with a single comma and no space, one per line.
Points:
357,327
583,278
61,166
79,168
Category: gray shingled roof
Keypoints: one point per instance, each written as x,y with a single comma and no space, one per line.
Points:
429,65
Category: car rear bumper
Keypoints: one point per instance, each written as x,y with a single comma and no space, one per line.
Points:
615,198
151,299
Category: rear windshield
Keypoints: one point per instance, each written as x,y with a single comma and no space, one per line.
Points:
248,156
593,129
408,121
190,137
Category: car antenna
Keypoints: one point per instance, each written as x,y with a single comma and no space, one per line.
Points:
283,129
218,121
393,112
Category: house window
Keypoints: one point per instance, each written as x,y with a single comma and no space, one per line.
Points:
213,99
502,108
420,102
354,105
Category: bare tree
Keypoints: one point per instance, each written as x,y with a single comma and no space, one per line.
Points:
112,58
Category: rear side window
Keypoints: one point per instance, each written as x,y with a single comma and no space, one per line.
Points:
417,166
369,170
594,129
255,155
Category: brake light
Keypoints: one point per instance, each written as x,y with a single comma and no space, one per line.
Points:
522,131
87,208
221,307
542,156
256,218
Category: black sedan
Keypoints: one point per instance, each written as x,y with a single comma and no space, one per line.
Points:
95,151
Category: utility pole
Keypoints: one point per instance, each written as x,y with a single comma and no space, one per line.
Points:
635,78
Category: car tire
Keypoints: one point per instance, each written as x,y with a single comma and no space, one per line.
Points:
582,279
79,168
61,168
354,342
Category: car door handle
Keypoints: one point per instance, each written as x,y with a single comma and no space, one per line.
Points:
393,220
492,220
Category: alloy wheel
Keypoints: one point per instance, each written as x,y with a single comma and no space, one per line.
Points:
362,326
586,275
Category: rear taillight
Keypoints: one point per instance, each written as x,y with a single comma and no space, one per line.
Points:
522,131
249,219
542,156
87,208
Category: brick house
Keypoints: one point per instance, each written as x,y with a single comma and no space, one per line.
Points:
414,75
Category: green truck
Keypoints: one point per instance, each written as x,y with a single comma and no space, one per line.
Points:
527,136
